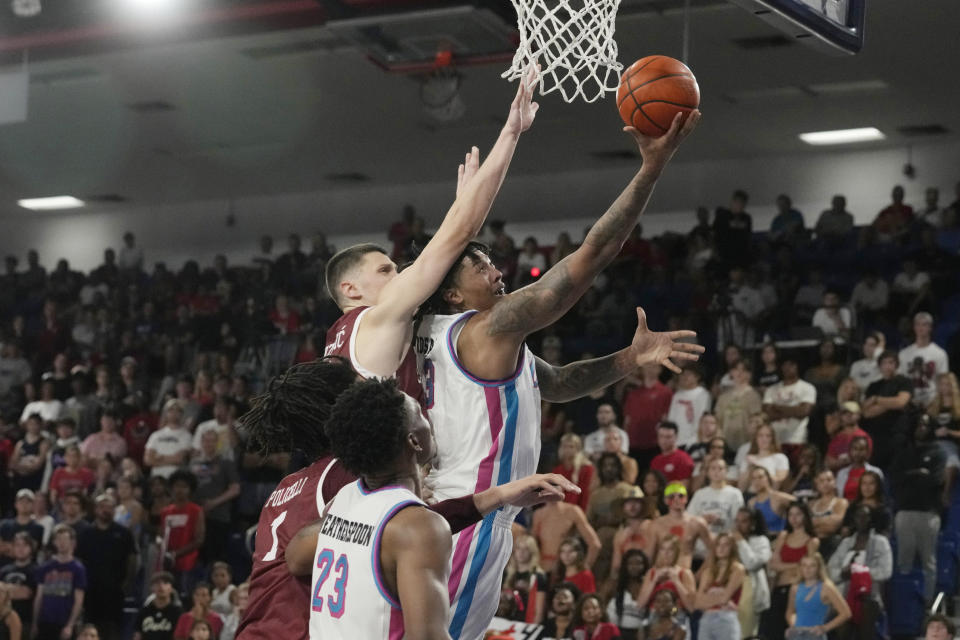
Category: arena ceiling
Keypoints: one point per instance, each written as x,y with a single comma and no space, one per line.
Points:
298,110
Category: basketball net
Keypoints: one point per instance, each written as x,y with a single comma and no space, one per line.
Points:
572,40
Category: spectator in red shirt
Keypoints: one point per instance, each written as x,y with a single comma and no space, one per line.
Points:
893,222
838,450
575,467
572,566
645,403
283,318
590,620
137,430
674,464
183,526
202,597
72,477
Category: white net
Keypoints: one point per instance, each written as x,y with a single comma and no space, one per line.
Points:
572,40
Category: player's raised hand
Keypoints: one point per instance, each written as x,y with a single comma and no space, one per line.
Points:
662,347
468,169
657,152
523,109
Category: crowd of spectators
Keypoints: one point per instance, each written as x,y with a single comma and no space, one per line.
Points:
823,422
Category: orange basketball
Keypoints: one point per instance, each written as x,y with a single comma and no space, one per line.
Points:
652,90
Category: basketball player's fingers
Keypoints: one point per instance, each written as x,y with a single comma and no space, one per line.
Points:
681,333
689,347
673,133
683,355
690,123
641,320
545,489
668,363
563,483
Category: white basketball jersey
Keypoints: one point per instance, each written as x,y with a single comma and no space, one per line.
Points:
487,431
346,568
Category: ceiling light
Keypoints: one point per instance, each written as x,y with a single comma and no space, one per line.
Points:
842,136
51,204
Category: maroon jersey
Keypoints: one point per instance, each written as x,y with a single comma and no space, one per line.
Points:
279,605
341,339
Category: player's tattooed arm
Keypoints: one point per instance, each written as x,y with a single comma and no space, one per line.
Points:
545,301
301,550
577,379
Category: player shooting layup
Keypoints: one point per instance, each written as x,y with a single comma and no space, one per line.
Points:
483,385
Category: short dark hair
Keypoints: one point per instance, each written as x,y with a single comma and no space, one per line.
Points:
161,576
436,304
342,262
182,475
746,364
942,619
67,422
25,537
367,426
670,426
740,194
889,353
292,412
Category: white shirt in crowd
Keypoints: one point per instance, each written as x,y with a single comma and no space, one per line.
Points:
593,442
772,463
873,298
791,430
828,324
865,371
223,432
922,365
49,410
907,284
686,409
721,503
168,441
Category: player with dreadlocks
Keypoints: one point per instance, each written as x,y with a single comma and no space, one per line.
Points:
290,416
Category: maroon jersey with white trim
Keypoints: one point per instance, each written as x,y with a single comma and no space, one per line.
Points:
341,341
278,600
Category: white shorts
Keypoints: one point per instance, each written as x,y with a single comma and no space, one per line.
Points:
480,554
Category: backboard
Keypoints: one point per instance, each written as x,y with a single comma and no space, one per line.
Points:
832,26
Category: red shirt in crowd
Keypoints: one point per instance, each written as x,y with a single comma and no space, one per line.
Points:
676,465
643,408
136,432
181,522
583,480
288,323
185,624
64,480
853,483
603,631
840,443
584,581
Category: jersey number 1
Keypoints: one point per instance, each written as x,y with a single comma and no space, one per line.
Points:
335,602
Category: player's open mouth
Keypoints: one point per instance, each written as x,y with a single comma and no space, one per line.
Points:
501,290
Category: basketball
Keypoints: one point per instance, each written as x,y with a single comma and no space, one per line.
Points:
652,90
